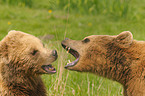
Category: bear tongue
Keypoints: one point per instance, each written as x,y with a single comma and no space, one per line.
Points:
49,69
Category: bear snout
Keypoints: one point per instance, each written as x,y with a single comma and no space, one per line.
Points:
66,39
54,53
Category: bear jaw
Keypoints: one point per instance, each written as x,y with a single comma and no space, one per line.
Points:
74,53
49,69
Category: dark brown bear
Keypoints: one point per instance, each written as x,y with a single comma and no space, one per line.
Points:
119,58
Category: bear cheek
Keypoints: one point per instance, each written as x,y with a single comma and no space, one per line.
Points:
37,69
93,62
40,71
34,66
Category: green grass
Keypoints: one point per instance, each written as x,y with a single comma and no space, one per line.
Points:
36,20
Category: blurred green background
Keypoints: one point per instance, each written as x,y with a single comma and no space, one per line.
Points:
53,20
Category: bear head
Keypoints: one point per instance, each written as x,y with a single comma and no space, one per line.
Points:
24,53
91,52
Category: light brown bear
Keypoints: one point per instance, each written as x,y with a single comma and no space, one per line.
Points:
23,58
119,58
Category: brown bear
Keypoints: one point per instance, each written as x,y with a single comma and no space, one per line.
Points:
23,58
119,58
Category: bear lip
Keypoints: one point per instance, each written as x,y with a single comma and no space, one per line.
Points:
74,53
49,69
72,63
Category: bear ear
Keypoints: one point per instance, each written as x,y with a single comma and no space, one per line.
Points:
12,32
124,39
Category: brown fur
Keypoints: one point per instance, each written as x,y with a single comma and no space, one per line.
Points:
119,58
20,68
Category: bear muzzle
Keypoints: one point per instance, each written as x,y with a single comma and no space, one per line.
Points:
72,52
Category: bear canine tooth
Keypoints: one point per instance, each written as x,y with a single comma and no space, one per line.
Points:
68,62
68,50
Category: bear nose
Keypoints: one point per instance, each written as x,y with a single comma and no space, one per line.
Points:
54,53
66,38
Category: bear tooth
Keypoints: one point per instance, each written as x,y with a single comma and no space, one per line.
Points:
68,62
68,50
50,69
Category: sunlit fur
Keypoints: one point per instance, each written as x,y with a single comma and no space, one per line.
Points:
20,70
119,58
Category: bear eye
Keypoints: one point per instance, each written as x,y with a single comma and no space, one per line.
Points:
34,52
86,40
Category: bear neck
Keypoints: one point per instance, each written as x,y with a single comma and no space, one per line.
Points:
20,83
112,63
126,65
118,64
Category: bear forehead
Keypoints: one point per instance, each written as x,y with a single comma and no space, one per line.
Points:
21,39
100,37
20,35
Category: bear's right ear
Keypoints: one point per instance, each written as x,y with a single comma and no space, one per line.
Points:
124,39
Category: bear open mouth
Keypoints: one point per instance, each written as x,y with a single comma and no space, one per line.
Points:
49,69
74,53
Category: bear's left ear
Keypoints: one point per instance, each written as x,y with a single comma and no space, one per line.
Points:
124,39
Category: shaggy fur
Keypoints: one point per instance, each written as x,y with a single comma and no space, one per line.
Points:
21,58
119,58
